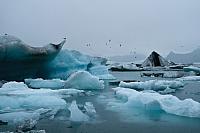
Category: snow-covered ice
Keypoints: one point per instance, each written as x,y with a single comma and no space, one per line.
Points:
84,80
155,101
41,83
153,85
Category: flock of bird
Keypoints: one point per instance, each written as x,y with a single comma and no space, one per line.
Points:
108,44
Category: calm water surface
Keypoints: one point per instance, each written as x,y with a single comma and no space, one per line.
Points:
114,121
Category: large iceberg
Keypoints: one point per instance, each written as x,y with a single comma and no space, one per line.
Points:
155,85
84,80
27,60
48,62
152,101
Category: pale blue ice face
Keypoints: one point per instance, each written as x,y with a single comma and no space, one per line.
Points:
137,25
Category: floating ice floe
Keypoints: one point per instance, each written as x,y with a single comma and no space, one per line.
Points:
189,78
41,83
21,89
76,114
173,74
19,103
21,116
155,101
84,80
124,67
152,85
192,68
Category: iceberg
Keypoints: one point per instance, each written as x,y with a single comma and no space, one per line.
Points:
21,89
84,80
41,83
155,85
155,60
19,103
155,101
27,60
48,62
68,62
76,114
192,68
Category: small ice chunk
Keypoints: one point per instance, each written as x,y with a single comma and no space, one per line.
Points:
167,91
41,83
84,80
90,109
76,114
152,85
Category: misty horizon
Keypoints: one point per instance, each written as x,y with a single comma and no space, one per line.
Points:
131,26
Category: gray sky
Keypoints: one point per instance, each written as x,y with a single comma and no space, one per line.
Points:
139,25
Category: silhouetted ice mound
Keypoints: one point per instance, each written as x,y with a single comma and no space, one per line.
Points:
155,60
